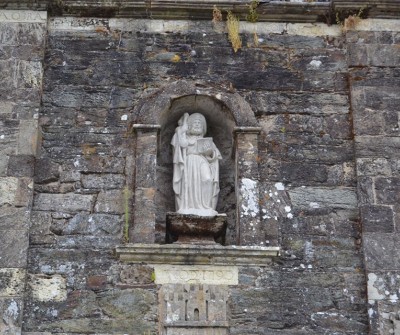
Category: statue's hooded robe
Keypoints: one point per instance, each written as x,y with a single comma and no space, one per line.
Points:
196,176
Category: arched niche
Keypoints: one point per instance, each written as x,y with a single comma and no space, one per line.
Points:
231,123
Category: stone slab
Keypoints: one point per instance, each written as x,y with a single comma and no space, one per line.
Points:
196,274
12,282
10,316
23,16
187,254
382,251
48,288
13,246
8,189
318,197
63,202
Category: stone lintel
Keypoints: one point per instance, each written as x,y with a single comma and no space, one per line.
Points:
196,274
186,254
146,128
251,130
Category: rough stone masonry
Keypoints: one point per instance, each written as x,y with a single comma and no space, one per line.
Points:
75,177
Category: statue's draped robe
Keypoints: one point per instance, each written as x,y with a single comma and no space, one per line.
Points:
195,177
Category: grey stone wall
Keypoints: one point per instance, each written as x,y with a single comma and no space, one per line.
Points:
374,83
22,42
326,104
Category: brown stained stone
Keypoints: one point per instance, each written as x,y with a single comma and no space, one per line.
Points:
96,282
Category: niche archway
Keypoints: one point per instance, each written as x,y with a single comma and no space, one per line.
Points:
234,128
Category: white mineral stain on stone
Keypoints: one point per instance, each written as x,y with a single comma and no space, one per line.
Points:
373,292
287,209
76,163
51,288
279,186
393,297
290,216
371,312
248,189
315,63
314,205
13,310
124,117
1,137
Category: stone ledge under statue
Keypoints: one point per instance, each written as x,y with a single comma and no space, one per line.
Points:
195,229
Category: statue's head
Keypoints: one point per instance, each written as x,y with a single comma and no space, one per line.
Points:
197,124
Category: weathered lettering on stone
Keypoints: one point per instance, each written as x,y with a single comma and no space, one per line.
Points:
23,16
182,274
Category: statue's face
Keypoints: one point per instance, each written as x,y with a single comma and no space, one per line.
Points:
196,127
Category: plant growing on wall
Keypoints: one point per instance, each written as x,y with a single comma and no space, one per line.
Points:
233,31
349,21
253,16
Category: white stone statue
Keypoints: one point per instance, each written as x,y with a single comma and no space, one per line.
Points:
196,167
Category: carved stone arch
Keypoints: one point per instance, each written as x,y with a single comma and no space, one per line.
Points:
231,123
153,108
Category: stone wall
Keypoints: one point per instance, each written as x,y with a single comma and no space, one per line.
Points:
374,82
22,42
326,102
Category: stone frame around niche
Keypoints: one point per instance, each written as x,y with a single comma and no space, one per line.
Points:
155,113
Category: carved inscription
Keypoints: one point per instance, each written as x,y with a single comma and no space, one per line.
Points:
23,16
182,274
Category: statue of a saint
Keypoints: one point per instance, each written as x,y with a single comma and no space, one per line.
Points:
196,167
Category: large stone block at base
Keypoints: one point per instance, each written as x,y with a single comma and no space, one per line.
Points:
12,282
382,251
14,244
10,316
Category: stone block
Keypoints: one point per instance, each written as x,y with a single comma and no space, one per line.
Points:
14,218
377,219
110,202
298,103
319,197
3,165
22,16
98,164
46,170
93,225
373,167
387,190
103,181
14,248
10,316
29,74
365,189
28,136
8,190
69,202
20,166
383,285
382,251
46,288
23,197
12,282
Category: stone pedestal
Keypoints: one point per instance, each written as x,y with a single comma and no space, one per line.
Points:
194,229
